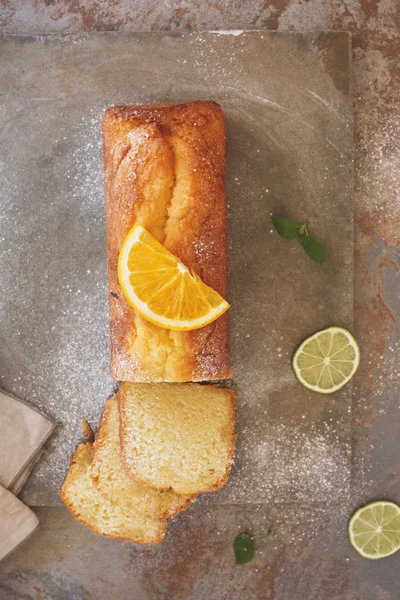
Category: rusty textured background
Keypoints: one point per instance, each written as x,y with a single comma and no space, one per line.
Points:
309,557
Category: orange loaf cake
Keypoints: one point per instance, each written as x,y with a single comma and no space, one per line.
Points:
164,168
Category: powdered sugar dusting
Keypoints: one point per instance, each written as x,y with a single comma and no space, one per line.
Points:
61,318
378,175
300,466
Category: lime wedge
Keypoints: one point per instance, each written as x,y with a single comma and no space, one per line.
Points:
374,529
327,360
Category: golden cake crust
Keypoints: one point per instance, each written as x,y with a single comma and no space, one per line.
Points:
164,168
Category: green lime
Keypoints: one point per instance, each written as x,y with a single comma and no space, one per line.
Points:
374,529
327,360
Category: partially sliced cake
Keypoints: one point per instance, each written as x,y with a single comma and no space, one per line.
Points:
111,479
111,519
164,168
177,435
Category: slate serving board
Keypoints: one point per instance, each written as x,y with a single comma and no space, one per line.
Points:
289,148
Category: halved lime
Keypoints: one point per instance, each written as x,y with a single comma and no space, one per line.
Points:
327,360
374,529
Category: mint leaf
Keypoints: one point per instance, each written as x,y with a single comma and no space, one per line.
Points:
287,228
313,248
244,548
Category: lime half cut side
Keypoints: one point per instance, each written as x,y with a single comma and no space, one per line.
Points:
374,529
327,360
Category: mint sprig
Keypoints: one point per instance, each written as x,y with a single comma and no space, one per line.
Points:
244,547
290,229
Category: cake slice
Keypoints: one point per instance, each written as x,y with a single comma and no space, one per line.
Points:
111,519
177,435
113,482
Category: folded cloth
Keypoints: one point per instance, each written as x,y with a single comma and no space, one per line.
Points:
17,522
19,482
23,431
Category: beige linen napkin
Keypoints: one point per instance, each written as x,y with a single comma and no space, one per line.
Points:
23,432
17,522
19,482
